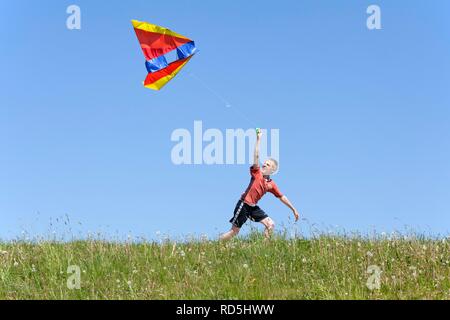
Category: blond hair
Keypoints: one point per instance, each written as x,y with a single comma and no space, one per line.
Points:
275,164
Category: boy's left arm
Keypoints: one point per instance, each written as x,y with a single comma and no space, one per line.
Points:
286,201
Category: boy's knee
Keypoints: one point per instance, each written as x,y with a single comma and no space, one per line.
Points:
270,224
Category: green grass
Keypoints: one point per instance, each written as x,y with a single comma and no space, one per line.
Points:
325,267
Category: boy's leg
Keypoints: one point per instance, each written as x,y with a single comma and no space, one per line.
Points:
230,234
270,226
258,215
238,220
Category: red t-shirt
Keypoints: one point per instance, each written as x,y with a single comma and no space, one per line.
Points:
258,187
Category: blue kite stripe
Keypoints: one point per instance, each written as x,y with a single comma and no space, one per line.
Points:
163,61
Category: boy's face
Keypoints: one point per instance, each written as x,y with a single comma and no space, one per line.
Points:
268,168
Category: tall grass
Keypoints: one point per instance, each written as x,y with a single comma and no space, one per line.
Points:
323,267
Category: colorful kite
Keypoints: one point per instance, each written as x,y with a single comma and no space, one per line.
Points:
165,51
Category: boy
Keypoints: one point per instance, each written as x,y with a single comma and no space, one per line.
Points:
260,184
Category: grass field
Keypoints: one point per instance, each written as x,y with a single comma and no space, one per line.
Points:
324,267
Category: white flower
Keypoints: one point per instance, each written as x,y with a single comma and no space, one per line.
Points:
15,263
414,271
33,268
369,254
182,253
304,260
245,266
129,283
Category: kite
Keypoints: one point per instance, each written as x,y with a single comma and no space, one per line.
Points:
166,53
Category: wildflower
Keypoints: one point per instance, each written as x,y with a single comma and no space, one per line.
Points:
118,281
245,266
414,271
135,271
129,283
304,260
33,268
182,253
15,263
369,254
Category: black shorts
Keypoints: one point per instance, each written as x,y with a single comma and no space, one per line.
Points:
243,211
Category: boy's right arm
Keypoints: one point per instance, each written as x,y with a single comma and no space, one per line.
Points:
256,156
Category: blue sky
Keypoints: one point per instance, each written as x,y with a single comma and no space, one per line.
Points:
363,115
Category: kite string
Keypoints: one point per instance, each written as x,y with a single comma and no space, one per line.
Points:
221,98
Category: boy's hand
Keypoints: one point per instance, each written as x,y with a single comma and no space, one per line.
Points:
258,142
296,215
258,134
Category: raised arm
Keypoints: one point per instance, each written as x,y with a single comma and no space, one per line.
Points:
258,142
286,201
